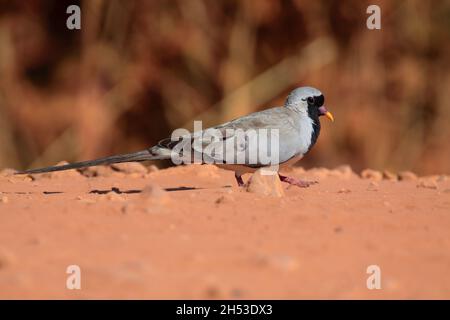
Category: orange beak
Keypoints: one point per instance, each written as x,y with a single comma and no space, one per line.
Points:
324,112
329,116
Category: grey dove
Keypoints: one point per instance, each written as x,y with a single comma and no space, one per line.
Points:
283,135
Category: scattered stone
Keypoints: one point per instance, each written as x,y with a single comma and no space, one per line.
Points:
337,229
6,258
344,171
57,174
388,175
7,172
435,178
220,200
407,176
4,199
344,191
265,183
320,172
226,198
85,200
427,183
372,175
19,178
127,208
152,168
130,167
208,171
373,186
98,171
153,198
153,191
112,196
236,293
213,292
284,262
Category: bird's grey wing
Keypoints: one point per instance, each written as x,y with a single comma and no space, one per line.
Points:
268,134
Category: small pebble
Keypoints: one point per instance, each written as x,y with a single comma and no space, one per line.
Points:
112,196
427,184
98,171
130,167
7,258
373,186
212,292
337,229
152,168
226,198
265,184
407,176
58,174
344,171
236,293
7,172
388,175
372,175
152,199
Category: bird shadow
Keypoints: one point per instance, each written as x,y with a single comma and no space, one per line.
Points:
118,191
134,191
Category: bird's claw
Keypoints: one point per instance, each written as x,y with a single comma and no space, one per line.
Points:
297,182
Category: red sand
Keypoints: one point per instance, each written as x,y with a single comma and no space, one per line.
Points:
222,242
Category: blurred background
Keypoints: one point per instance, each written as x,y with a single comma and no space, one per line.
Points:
139,69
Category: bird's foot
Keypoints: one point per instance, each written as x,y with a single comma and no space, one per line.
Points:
297,182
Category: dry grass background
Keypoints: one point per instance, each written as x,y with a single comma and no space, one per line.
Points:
139,69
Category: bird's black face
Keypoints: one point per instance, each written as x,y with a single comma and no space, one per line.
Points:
316,107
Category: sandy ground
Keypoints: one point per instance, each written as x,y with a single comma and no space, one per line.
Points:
203,237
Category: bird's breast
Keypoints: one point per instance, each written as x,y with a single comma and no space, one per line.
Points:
307,134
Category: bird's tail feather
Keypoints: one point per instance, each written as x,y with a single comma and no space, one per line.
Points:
130,157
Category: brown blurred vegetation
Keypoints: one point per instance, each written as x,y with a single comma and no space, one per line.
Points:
139,69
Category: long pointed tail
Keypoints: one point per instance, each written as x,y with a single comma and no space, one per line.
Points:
130,157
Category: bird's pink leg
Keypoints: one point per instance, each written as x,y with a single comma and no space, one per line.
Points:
239,180
297,182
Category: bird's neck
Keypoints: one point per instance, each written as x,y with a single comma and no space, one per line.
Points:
313,114
308,130
308,126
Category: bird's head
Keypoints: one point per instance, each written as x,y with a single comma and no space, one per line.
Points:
308,100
